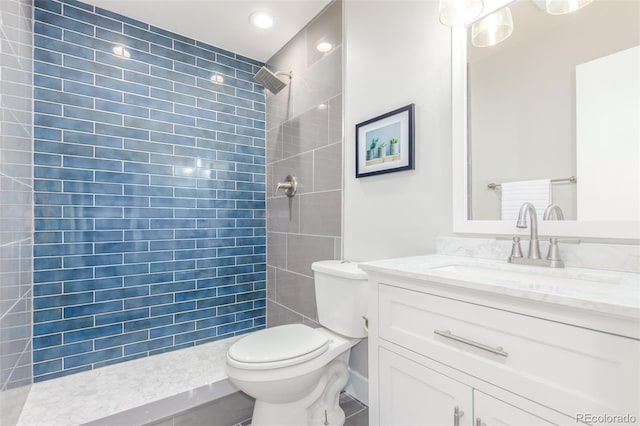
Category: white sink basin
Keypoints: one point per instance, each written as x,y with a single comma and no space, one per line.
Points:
550,278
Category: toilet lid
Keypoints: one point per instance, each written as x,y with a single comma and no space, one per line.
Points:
277,344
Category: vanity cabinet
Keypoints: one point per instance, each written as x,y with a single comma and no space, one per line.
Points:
490,411
446,356
412,394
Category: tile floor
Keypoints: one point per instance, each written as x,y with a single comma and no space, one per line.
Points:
357,413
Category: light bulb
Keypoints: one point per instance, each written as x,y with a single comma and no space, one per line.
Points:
261,19
492,29
324,46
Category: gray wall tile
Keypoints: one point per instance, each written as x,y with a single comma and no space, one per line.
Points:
335,119
297,292
337,248
280,106
320,213
274,144
305,132
292,57
327,168
271,282
311,323
283,214
321,82
279,315
305,123
303,250
277,252
301,166
325,28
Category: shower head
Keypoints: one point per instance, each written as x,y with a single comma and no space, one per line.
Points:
270,80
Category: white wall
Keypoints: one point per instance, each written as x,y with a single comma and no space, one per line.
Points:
608,132
397,53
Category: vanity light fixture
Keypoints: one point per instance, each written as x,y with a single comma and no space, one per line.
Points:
561,7
217,78
261,20
492,29
122,51
455,13
324,46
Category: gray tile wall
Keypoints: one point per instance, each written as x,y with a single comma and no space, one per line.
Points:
16,206
304,139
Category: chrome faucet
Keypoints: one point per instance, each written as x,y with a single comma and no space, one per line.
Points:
553,210
533,257
534,243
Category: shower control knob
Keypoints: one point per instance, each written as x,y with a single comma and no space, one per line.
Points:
290,186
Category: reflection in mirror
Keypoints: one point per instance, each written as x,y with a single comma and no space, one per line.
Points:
559,98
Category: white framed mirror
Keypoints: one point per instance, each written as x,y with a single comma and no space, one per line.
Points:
559,98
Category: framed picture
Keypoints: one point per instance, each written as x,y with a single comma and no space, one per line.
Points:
384,144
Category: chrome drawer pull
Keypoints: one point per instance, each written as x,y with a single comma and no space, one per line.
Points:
449,335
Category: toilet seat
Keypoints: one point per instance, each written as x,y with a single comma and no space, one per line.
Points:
277,347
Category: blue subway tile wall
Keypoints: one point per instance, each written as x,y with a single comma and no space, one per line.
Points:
149,191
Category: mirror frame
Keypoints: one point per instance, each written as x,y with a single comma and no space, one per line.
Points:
629,231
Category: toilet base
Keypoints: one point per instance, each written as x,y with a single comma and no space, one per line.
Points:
319,408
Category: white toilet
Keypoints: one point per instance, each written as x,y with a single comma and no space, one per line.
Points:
296,372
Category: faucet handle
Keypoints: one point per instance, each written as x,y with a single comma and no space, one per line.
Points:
553,253
516,250
553,256
290,186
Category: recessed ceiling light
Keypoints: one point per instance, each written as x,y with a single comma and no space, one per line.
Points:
261,19
121,51
217,78
324,46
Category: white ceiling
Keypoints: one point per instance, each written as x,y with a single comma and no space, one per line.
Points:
223,23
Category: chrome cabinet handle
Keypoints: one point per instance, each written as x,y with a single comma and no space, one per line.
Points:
457,413
449,335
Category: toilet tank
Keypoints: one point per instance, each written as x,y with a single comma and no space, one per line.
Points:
342,296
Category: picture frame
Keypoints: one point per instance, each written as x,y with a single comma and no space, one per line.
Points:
385,144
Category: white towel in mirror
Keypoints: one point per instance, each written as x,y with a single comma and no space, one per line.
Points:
514,194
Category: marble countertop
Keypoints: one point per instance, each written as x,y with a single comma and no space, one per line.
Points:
92,395
616,293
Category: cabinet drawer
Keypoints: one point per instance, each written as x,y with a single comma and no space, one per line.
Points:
571,369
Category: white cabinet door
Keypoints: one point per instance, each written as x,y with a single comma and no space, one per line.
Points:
493,412
414,395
